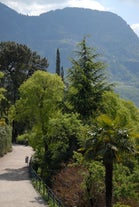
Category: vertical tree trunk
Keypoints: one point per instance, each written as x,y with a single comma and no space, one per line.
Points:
108,183
14,132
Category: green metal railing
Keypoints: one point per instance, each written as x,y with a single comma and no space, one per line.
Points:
46,193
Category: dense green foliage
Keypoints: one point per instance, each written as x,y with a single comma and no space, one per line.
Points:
84,184
52,134
40,98
111,136
5,129
82,122
5,138
88,118
18,63
107,143
63,134
87,82
126,183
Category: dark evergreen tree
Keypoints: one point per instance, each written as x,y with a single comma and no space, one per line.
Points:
18,63
58,62
87,81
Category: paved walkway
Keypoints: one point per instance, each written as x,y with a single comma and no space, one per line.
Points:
16,189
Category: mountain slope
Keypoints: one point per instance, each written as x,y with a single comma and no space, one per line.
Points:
109,34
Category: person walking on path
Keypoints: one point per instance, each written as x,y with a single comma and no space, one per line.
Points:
16,189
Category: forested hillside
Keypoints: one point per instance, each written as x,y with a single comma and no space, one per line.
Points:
109,34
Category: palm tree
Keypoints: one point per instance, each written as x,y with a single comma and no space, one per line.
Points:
107,143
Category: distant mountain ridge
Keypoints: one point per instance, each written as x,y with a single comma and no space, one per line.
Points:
109,34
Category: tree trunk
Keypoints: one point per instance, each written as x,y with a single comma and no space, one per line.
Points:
108,183
14,132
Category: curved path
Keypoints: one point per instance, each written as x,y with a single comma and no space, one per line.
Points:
16,189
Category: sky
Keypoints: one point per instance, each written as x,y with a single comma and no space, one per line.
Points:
127,9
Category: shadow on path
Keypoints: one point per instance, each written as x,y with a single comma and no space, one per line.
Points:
38,200
15,174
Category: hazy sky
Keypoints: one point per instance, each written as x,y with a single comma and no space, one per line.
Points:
127,9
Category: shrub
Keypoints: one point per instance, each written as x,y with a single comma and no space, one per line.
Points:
5,138
120,205
23,139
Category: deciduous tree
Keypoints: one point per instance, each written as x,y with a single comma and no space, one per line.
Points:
39,101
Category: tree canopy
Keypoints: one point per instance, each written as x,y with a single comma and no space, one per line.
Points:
112,137
39,98
87,81
18,63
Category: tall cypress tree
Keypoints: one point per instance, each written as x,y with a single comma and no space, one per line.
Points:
58,62
87,81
